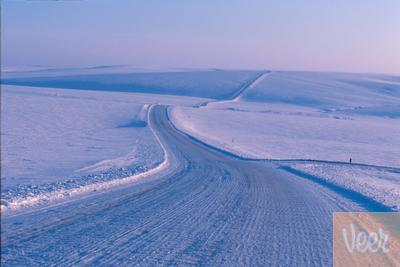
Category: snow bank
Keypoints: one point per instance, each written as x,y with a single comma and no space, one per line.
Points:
48,135
379,184
46,193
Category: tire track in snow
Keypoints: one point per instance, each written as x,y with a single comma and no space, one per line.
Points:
212,210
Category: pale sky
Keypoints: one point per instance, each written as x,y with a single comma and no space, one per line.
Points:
319,35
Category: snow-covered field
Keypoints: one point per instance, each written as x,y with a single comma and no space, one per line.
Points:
310,116
218,84
276,131
55,138
327,91
58,139
173,201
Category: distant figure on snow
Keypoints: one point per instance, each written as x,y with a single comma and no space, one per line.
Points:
350,160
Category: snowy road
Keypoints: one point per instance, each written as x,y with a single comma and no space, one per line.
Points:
207,208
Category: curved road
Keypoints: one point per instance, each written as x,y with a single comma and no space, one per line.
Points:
206,209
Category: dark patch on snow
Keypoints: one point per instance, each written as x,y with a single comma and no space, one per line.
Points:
134,124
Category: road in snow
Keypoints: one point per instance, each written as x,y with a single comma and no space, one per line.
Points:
207,208
312,123
296,115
